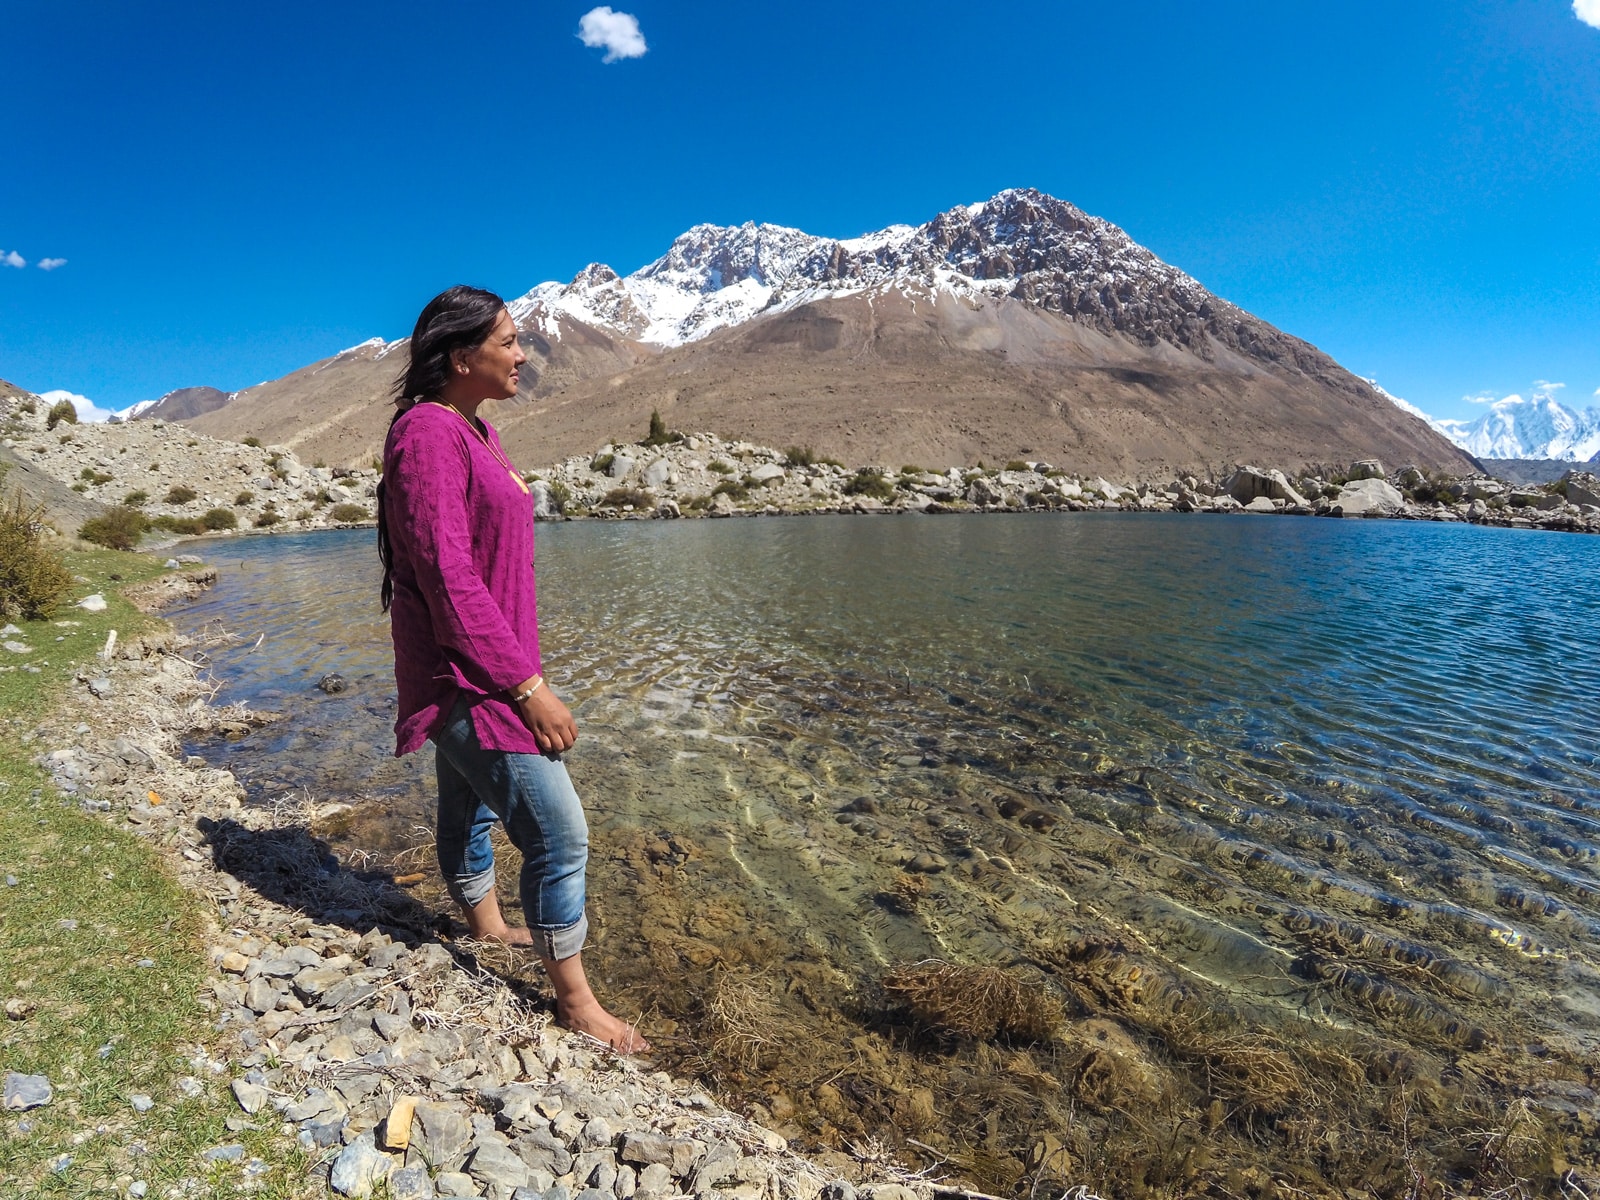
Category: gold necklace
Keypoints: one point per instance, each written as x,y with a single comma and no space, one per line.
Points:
487,444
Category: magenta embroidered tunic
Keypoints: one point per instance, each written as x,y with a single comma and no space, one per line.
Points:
463,616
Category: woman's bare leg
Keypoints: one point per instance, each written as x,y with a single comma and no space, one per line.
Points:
485,923
578,1010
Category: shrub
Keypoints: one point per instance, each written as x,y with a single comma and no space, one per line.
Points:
181,494
911,469
721,468
800,456
602,462
349,513
80,487
119,529
698,503
220,518
252,441
244,498
33,579
659,435
93,476
28,406
625,497
60,411
190,526
136,499
1016,464
560,495
732,490
869,481
268,516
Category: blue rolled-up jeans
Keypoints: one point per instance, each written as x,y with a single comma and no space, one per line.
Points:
533,797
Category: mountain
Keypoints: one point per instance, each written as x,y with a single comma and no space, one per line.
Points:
1537,427
180,405
1019,327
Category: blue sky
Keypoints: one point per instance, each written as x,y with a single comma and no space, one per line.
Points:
239,190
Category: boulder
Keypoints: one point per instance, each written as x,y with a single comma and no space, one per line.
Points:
1251,483
1369,495
984,492
619,466
766,473
1366,468
360,1167
656,472
23,1092
1582,488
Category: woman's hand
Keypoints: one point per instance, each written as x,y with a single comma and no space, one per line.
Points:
547,719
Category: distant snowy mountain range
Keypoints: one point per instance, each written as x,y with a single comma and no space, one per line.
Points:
1538,426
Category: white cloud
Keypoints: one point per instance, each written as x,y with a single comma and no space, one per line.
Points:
50,264
619,32
1587,11
11,258
1543,387
1480,398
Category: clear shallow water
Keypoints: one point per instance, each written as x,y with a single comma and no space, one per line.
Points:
1311,779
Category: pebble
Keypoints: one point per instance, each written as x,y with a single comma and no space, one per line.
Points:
93,603
138,1188
141,1103
220,1154
23,1092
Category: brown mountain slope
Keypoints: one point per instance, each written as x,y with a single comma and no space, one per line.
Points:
898,379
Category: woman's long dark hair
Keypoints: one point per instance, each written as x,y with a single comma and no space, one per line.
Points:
459,318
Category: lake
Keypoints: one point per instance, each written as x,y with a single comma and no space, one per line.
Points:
1284,830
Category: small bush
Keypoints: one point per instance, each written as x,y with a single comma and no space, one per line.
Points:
190,526
28,406
80,487
800,456
1016,464
252,441
560,495
659,434
698,504
64,440
911,469
220,518
119,529
869,481
181,494
625,497
268,517
319,464
732,490
602,462
721,468
94,477
349,513
60,411
33,580
244,498
136,499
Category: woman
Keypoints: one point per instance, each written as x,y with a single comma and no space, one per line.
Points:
455,532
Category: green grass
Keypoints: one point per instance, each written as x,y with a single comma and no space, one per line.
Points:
103,1027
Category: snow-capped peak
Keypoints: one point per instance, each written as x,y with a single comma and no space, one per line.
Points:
1536,426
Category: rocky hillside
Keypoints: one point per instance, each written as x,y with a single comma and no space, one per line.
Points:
171,474
1019,327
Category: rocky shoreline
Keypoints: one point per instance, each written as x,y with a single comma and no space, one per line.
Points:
397,1060
185,482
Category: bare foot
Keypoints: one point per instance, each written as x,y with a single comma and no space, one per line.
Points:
485,923
593,1020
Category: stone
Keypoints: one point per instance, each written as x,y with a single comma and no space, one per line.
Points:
411,1183
1261,504
315,1103
1370,494
655,1179
440,1134
985,492
23,1092
260,996
767,473
1248,484
93,603
678,1155
889,1191
668,510
494,1164
1582,488
100,687
597,1132
332,683
141,1102
1367,468
360,1167
655,473
619,466
541,1148
455,1183
233,1152
312,982
597,1168
249,1095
